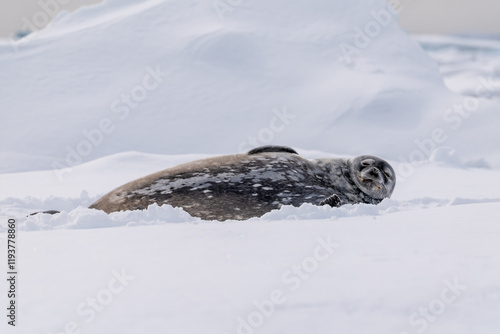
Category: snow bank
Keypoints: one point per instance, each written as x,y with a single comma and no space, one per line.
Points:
84,218
173,77
465,62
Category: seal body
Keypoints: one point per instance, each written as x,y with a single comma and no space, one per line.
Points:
242,186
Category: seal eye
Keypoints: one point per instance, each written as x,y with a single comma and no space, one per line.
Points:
367,162
387,173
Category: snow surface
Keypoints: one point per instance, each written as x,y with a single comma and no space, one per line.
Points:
225,76
425,260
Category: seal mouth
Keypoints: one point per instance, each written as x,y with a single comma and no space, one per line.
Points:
374,186
361,179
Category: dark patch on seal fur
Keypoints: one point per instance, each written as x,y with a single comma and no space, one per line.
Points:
270,148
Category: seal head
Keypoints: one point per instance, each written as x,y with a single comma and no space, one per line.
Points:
374,176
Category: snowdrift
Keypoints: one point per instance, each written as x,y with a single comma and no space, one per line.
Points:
192,76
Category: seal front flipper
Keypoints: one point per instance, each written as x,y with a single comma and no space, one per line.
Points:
272,148
333,201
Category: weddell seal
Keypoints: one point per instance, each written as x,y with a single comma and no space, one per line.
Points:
243,186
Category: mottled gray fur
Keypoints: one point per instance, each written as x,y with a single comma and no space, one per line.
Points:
242,186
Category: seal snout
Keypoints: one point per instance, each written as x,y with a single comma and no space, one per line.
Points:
372,173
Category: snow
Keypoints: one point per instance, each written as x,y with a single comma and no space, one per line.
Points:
384,269
464,60
267,73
